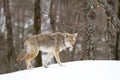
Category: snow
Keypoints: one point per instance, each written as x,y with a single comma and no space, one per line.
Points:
76,70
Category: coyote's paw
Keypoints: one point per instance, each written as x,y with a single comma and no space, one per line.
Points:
30,67
46,66
61,64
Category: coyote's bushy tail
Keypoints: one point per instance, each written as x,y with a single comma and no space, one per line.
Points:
22,55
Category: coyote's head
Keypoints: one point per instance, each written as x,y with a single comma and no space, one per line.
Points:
70,39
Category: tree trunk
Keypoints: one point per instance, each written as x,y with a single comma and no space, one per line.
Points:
109,11
117,51
90,30
37,28
111,32
10,48
114,21
52,16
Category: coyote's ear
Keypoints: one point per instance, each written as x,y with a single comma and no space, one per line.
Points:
76,34
66,34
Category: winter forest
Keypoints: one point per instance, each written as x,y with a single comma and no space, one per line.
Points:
96,22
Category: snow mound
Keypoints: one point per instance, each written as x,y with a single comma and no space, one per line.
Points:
76,70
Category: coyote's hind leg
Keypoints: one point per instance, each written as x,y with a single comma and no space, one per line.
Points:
29,58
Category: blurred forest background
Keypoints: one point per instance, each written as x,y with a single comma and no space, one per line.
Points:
96,21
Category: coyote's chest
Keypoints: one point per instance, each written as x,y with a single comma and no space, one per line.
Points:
46,49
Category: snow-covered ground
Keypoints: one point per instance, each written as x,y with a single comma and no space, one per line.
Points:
77,70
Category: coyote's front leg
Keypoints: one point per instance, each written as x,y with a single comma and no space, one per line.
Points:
57,56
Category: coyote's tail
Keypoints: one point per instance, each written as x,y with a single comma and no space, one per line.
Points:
22,55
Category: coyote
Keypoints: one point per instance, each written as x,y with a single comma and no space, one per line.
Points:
51,43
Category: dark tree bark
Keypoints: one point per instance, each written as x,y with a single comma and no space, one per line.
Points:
37,28
111,32
90,30
52,16
37,17
10,48
117,49
109,11
113,25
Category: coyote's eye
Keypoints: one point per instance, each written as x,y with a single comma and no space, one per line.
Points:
70,40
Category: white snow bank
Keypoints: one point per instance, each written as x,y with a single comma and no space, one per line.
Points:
77,70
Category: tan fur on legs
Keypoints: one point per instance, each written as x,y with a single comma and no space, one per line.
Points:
57,58
19,59
56,54
28,60
27,64
59,62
